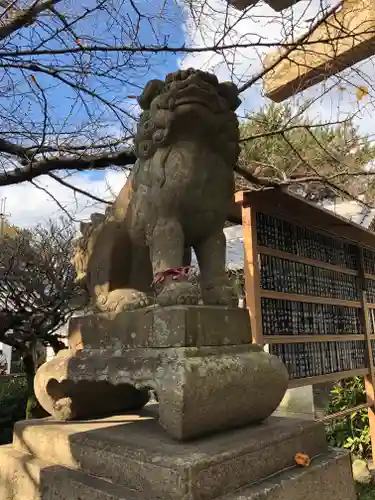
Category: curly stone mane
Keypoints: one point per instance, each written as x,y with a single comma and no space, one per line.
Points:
160,98
83,246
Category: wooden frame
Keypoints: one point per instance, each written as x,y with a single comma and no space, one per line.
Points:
252,279
289,208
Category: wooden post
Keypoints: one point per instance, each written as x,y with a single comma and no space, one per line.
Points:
251,268
369,379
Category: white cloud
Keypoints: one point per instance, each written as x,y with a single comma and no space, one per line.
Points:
27,206
260,24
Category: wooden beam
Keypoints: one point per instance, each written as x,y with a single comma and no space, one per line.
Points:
307,339
344,39
252,273
279,203
370,377
273,252
320,379
308,299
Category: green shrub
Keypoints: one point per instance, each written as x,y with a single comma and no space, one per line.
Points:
366,492
13,400
351,432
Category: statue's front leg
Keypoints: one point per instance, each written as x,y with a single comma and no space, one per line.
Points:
215,285
168,256
132,270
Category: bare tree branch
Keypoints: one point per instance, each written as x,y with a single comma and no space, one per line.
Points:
26,17
35,169
79,190
37,284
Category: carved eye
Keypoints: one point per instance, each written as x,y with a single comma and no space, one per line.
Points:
209,78
146,126
170,77
159,136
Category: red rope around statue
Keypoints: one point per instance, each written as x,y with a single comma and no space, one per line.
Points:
176,273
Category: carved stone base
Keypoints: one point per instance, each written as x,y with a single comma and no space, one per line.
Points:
67,399
201,388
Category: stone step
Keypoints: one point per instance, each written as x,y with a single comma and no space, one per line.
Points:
134,452
327,478
24,477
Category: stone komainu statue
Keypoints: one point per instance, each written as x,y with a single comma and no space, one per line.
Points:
177,197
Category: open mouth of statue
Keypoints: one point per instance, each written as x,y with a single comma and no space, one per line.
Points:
194,101
196,97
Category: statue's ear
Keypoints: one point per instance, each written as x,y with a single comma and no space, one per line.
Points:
229,91
83,227
152,89
96,219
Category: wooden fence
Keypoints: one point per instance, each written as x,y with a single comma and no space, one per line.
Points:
310,289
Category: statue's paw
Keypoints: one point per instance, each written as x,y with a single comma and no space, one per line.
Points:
63,409
137,300
172,292
127,300
219,295
187,300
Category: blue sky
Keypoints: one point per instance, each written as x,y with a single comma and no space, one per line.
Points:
64,111
96,27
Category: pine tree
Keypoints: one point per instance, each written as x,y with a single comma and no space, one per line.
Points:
280,143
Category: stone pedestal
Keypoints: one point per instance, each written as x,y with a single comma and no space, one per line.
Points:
209,378
131,457
199,360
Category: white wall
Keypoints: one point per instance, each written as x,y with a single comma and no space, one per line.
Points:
7,350
297,402
50,352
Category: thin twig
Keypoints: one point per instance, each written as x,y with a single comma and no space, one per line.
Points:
78,190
